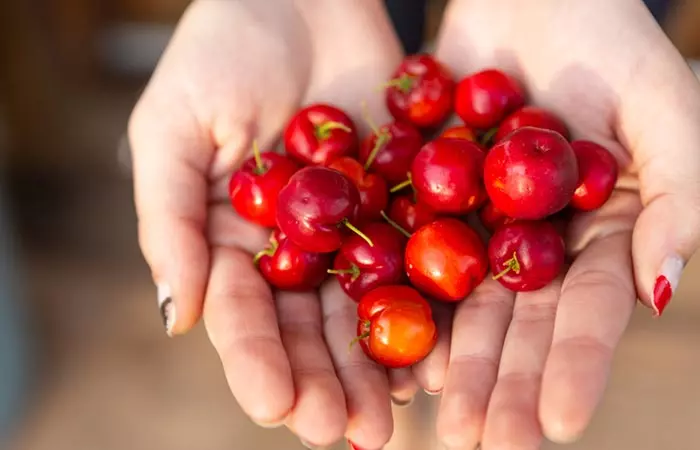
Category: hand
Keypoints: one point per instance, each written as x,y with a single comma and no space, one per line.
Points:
533,364
234,72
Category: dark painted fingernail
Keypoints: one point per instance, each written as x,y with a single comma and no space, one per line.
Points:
166,307
666,283
402,403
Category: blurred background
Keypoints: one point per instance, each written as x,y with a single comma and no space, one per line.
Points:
84,361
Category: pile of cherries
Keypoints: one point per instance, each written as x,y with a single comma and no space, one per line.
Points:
409,212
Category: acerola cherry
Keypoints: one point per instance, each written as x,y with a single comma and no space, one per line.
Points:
374,192
531,116
420,91
395,326
409,214
526,256
361,268
493,218
598,171
390,150
254,187
460,132
320,133
446,259
531,174
286,266
484,98
447,175
315,206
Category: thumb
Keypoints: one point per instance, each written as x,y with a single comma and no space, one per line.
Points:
667,233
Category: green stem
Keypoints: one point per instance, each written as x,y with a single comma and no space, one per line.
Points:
382,139
323,131
353,270
402,185
401,229
486,138
259,166
270,250
511,265
404,83
357,231
368,119
362,336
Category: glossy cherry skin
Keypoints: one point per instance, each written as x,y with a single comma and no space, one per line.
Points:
531,116
401,143
253,190
598,172
374,192
410,215
420,92
460,132
365,268
484,98
447,175
286,266
319,133
531,174
527,255
395,326
493,218
313,207
446,260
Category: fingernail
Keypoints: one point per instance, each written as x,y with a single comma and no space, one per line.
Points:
270,425
311,446
166,307
438,392
400,402
666,283
355,446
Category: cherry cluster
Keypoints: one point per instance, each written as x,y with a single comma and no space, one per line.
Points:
409,212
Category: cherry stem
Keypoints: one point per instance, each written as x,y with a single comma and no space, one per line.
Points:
486,138
352,270
357,231
404,83
364,335
383,138
511,265
267,251
323,131
402,185
401,229
259,166
368,118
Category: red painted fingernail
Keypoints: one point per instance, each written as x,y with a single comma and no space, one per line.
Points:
666,283
354,447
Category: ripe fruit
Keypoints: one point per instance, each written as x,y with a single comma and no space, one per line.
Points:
531,116
315,206
286,266
420,92
409,214
447,175
526,256
254,187
598,172
493,218
374,193
531,174
361,268
446,259
320,133
460,132
484,98
395,326
390,150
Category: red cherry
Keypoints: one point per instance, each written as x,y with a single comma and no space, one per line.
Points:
390,150
446,259
315,205
319,133
410,215
493,218
361,268
484,98
420,92
531,174
286,266
526,256
447,175
531,116
460,132
395,326
254,187
598,171
374,192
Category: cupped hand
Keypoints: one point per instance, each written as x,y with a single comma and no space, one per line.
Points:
235,72
535,364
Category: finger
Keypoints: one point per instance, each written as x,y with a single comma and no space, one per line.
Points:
595,306
479,328
430,372
364,382
227,229
315,382
403,386
511,420
240,319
